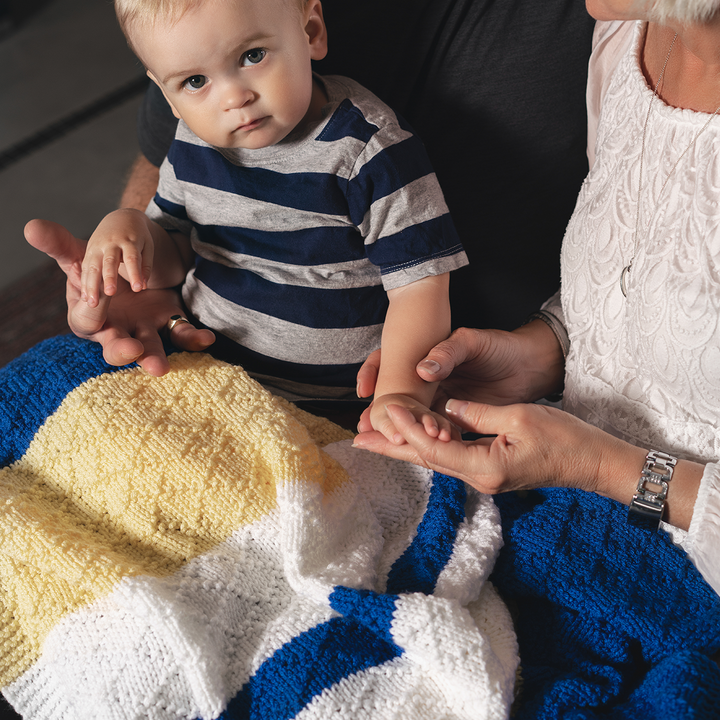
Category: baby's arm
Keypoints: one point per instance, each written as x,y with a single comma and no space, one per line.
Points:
417,319
129,243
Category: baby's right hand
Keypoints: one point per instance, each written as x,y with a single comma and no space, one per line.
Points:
123,237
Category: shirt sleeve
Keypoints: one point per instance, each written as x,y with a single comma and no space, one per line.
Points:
702,543
396,202
156,125
610,41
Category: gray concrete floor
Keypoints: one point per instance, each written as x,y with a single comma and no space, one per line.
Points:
61,60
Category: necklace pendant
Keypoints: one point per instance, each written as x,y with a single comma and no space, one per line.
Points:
623,279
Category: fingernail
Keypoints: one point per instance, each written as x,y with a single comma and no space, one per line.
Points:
456,407
430,366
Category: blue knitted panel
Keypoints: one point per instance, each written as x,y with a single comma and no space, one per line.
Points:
33,385
613,621
370,609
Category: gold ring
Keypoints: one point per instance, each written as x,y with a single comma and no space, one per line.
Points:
176,320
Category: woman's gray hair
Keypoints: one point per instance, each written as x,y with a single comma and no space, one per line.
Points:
686,11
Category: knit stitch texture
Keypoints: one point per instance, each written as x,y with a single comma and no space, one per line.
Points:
613,621
193,547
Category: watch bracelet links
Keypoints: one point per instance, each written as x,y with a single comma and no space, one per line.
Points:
647,504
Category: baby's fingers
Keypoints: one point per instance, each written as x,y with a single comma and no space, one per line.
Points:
110,265
91,278
138,266
438,427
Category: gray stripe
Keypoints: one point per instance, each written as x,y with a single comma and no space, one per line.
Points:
389,215
208,206
377,144
344,157
331,276
278,338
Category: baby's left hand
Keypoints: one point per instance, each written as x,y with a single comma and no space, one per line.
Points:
435,425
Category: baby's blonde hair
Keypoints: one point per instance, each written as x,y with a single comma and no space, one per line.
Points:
144,13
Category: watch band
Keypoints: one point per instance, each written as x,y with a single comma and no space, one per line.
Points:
648,503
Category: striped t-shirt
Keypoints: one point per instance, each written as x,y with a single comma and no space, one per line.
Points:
297,243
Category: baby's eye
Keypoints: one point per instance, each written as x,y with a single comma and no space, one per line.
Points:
253,57
195,82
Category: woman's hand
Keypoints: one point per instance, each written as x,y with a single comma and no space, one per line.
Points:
488,366
495,366
531,446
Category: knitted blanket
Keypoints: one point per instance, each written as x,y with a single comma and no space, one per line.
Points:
613,621
192,547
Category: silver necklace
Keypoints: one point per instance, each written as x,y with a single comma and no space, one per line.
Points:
626,270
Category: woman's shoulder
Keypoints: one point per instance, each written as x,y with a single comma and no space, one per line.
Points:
611,40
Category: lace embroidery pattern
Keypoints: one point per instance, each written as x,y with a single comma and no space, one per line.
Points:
647,367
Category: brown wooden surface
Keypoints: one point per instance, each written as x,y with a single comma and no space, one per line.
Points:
31,310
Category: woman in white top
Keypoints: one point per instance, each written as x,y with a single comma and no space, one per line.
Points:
640,303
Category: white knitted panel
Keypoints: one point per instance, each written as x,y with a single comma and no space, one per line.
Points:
184,646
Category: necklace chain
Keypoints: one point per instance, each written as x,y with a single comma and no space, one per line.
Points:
626,270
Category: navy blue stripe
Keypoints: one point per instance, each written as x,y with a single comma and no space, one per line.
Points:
309,307
418,568
432,238
310,191
171,208
33,386
335,375
302,668
311,246
347,121
387,172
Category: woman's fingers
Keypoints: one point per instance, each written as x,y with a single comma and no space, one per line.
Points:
461,346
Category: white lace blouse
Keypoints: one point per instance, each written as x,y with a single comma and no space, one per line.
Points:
646,367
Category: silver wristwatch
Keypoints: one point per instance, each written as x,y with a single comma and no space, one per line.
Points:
649,499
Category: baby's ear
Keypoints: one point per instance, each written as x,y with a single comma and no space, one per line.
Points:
162,90
315,29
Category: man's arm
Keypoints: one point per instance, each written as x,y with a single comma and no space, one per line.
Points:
141,185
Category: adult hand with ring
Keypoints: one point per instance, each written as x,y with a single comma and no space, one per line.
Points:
128,324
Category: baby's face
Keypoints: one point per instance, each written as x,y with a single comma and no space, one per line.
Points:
238,71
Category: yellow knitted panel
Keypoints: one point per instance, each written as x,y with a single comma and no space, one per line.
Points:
136,475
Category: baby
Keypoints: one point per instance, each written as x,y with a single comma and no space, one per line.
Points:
301,214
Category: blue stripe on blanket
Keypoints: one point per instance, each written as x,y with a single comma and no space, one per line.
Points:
323,656
33,385
304,667
418,568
